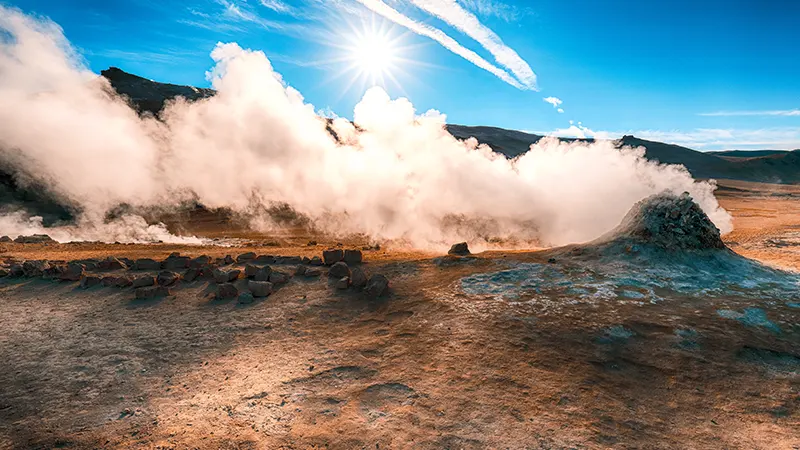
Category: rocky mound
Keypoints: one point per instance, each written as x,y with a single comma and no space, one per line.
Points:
670,222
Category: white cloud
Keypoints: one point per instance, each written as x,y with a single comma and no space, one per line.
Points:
555,101
494,8
277,6
786,112
466,22
561,110
379,7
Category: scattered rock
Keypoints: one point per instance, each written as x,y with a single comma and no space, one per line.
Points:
35,268
339,270
246,298
377,286
460,249
300,271
227,290
16,271
249,256
358,277
228,260
278,277
191,274
226,276
312,243
4,272
175,262
312,272
152,292
260,288
343,283
316,261
291,260
200,261
5,239
73,272
88,281
111,263
167,278
263,273
265,259
143,281
34,239
146,264
332,256
121,282
250,270
353,257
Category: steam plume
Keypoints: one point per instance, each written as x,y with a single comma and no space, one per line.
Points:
395,175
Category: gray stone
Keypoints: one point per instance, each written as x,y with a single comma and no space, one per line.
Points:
90,281
144,280
377,286
459,249
246,298
288,260
332,256
312,272
121,281
250,270
358,277
316,261
260,288
343,283
34,268
353,257
111,263
263,274
146,264
227,290
167,278
278,277
244,257
200,261
191,274
228,260
149,292
73,272
176,262
339,270
4,272
16,270
265,259
34,239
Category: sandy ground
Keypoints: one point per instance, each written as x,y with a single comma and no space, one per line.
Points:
427,367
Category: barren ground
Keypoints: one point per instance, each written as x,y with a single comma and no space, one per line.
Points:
427,367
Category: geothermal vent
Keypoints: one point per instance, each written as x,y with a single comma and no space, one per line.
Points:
670,222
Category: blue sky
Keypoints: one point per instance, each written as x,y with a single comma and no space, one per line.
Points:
708,74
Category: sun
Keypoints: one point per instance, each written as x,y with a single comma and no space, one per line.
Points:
374,56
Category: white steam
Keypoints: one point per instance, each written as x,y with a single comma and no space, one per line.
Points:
395,175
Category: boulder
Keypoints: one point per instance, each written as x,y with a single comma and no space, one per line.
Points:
263,274
111,263
332,256
226,276
244,257
316,261
250,270
146,264
227,290
227,260
246,298
35,268
312,272
343,283
265,259
143,281
88,281
288,260
15,270
144,293
6,239
377,286
339,270
176,262
353,257
121,281
4,272
200,261
461,249
278,277
34,239
191,274
73,272
167,278
260,288
358,277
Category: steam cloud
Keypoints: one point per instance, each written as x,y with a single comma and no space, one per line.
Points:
395,175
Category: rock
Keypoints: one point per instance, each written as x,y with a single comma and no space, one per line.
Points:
300,271
121,282
90,264
353,257
111,263
207,272
339,270
146,264
191,274
176,262
316,261
260,288
358,277
226,276
167,278
278,277
227,290
292,260
35,268
265,259
306,260
250,270
244,257
246,298
263,274
312,243
174,255
228,260
144,293
73,272
5,239
144,280
34,239
4,272
377,286
332,256
88,281
312,272
16,271
459,249
127,261
200,261
343,283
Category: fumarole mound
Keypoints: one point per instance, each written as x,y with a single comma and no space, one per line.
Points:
670,222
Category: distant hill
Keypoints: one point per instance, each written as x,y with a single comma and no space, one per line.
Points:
748,153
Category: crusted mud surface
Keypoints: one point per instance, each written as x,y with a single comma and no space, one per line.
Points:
463,353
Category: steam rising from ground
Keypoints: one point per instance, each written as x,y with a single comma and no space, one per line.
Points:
398,175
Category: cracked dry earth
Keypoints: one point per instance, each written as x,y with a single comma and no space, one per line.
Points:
428,367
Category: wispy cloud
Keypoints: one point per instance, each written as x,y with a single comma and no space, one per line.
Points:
494,8
277,6
555,101
466,22
379,7
784,112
